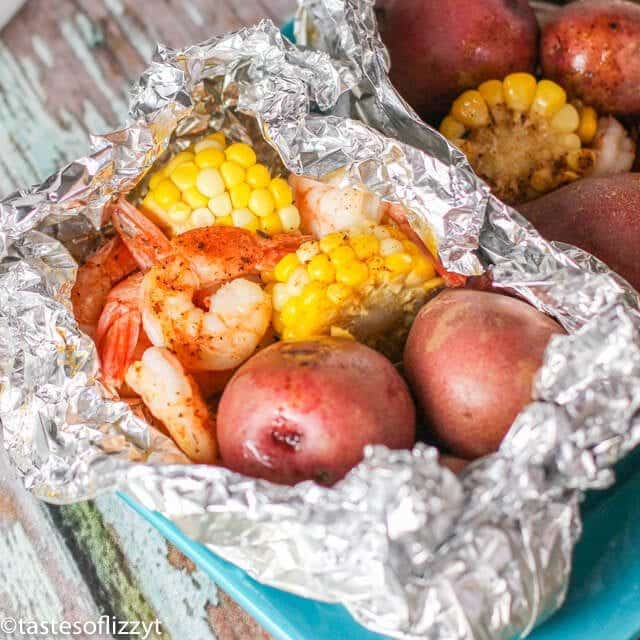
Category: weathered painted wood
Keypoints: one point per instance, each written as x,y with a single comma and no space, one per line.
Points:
65,66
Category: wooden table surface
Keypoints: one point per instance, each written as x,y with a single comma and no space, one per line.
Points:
65,67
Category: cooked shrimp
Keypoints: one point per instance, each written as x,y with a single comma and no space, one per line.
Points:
173,397
325,208
119,330
96,277
220,338
615,150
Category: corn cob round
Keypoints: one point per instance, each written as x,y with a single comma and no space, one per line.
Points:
367,284
522,136
216,183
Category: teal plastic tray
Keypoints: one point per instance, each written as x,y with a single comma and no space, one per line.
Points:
603,601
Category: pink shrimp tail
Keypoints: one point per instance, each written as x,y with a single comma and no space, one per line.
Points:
278,246
146,242
118,347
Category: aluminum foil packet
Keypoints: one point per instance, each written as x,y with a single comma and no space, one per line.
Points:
410,549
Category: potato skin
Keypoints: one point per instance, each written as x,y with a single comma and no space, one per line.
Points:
470,359
438,48
599,215
592,49
305,410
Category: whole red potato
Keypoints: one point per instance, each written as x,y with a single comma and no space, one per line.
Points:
305,411
599,215
592,49
439,48
470,358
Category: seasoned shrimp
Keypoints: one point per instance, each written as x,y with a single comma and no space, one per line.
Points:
325,208
207,258
615,150
95,279
173,397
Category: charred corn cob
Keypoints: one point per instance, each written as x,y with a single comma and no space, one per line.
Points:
368,284
522,136
213,182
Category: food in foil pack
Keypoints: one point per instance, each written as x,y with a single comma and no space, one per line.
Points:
219,259
524,135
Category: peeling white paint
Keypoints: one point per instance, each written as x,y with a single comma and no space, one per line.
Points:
143,45
193,13
42,51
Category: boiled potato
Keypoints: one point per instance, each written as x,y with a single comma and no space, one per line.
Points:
305,410
470,358
592,48
599,215
438,48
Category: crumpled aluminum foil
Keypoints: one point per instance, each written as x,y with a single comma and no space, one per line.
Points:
410,549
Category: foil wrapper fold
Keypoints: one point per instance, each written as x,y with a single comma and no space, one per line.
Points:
410,549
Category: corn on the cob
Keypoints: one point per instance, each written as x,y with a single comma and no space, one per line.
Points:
367,284
213,182
522,136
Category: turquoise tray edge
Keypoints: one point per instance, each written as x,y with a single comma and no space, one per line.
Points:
603,602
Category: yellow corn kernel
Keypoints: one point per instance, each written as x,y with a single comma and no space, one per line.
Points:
179,212
542,180
278,325
566,120
261,202
377,269
381,232
202,217
185,175
245,219
209,158
424,267
271,224
157,178
194,198
353,274
166,193
331,241
240,194
581,159
433,283
241,153
290,218
451,129
571,141
365,246
281,192
471,109
178,159
339,332
209,182
312,295
279,295
220,205
224,221
549,98
411,248
399,262
588,125
307,250
491,91
342,255
151,206
339,293
389,246
519,90
287,265
291,310
258,176
297,280
232,173
219,137
321,269
207,144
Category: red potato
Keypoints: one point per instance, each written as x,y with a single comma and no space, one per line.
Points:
599,215
438,48
305,410
592,49
470,358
